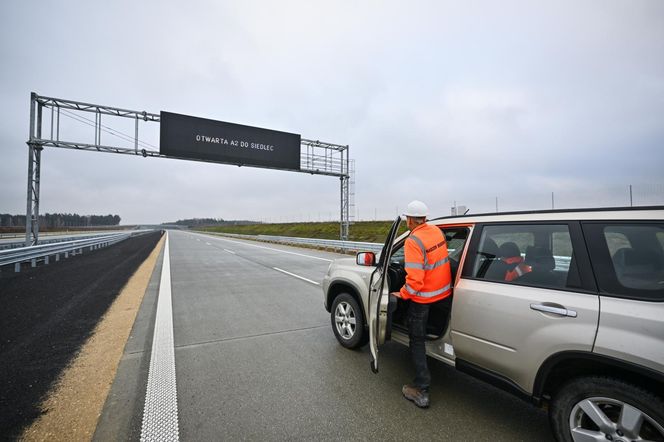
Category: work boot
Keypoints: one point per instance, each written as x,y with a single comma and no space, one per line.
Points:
416,395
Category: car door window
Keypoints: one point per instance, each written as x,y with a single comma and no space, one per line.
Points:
398,255
628,259
536,255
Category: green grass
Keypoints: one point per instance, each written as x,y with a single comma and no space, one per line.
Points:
366,231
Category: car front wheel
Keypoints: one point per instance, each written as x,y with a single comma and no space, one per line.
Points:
348,322
601,409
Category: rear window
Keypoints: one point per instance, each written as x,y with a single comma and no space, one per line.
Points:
628,259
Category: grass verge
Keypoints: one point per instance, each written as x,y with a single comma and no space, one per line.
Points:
366,231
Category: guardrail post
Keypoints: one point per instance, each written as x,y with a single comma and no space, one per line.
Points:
17,267
46,259
57,257
66,254
33,262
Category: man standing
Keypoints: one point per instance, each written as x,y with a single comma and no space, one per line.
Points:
428,280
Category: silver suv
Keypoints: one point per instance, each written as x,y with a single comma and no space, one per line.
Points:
562,308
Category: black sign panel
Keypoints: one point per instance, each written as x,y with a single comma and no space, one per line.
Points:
183,136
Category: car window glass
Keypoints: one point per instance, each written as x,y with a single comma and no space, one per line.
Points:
398,255
539,255
615,241
456,240
637,257
562,250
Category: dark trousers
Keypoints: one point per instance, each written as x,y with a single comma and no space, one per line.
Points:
418,315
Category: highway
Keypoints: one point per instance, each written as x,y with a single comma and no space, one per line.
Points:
255,359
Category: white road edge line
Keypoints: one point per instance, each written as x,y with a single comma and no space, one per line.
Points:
268,248
229,251
160,413
295,276
208,243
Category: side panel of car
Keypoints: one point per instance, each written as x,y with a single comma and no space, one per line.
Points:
628,259
494,326
511,326
623,336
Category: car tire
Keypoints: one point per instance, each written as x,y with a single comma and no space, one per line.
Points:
612,401
348,321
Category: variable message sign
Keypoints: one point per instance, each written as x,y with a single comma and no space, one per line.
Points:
183,136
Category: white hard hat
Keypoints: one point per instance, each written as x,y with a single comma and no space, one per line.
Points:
416,209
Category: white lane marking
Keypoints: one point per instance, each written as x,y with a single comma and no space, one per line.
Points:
160,413
198,239
229,251
275,250
208,243
296,276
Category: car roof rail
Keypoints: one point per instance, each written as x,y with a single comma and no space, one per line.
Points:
533,212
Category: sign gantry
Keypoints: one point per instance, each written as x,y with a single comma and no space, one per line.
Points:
186,138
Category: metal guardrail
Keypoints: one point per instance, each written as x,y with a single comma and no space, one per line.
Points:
43,252
48,239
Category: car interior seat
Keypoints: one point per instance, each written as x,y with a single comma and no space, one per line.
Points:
638,268
490,266
541,261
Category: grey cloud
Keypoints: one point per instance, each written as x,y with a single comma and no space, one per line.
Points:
441,101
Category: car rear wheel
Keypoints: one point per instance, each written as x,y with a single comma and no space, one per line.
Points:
348,322
601,409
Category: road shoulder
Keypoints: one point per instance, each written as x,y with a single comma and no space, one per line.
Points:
72,410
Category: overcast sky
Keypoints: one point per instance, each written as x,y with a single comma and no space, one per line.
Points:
441,101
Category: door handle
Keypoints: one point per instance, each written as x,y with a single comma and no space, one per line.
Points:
555,310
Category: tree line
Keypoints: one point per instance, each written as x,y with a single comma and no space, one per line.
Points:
197,222
207,222
54,220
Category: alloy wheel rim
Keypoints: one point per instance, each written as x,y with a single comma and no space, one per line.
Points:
345,320
602,419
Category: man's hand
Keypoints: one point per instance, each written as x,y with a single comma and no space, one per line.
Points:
397,294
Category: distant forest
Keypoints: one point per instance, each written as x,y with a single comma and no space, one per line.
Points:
54,220
206,222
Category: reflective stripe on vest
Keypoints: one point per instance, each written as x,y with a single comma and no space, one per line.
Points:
517,272
427,294
421,244
417,265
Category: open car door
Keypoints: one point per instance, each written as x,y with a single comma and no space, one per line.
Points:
379,298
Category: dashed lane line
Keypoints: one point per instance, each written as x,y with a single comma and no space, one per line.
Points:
229,251
274,250
296,276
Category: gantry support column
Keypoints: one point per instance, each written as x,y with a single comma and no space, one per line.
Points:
34,172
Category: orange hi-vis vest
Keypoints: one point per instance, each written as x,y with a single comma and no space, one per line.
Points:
428,274
519,270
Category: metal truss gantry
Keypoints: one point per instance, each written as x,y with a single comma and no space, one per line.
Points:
316,157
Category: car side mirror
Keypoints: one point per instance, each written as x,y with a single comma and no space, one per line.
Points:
366,259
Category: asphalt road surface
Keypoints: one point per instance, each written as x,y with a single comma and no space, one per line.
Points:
256,359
